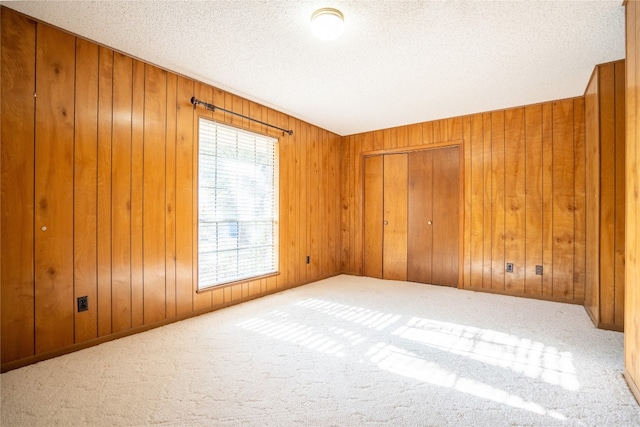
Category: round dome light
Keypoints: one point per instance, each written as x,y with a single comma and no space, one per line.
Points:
327,23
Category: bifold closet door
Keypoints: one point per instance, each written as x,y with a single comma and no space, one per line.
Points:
385,216
394,248
373,215
434,212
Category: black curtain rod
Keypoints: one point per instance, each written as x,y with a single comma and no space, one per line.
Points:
195,101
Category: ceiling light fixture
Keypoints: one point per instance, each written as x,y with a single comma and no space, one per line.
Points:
327,23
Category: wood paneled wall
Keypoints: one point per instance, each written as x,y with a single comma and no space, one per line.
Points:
524,194
605,173
632,267
99,194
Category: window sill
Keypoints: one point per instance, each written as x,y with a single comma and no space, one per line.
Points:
228,284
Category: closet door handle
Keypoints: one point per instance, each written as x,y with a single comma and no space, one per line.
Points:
386,222
429,222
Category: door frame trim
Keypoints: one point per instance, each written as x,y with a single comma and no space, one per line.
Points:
406,150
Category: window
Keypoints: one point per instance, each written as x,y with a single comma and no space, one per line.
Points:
237,204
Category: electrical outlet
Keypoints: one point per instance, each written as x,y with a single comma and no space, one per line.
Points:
539,270
83,304
509,267
308,259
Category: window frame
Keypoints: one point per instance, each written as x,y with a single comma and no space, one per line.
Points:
275,220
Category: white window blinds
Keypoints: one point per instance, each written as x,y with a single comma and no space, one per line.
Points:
238,204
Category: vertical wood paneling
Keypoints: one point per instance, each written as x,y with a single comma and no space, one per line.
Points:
533,199
514,143
357,207
620,155
603,284
313,205
303,200
54,137
497,200
284,151
524,196
288,173
607,189
17,104
563,199
137,181
126,177
184,198
414,134
466,275
476,212
170,196
580,212
486,198
373,216
105,118
154,231
632,240
547,199
121,193
84,188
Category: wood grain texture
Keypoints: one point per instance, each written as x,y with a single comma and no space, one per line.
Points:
476,212
170,196
632,267
135,136
17,105
620,155
533,199
137,188
394,262
154,231
420,217
547,199
515,174
580,210
373,215
184,198
85,189
105,119
604,198
488,183
498,179
446,214
563,199
121,193
54,137
524,196
606,98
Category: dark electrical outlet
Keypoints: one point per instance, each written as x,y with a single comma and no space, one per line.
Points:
509,267
308,259
539,270
83,304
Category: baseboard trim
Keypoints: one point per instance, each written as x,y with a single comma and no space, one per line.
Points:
30,360
632,385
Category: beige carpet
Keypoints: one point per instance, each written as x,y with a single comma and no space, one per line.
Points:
345,351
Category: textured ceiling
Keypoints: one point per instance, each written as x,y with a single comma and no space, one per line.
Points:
398,62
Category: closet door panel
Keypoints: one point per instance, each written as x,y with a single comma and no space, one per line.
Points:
446,214
373,216
420,207
395,217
